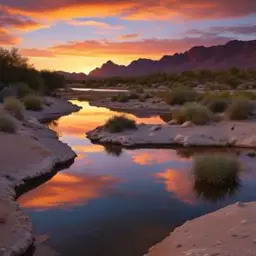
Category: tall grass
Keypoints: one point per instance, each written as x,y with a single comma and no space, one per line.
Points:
240,109
33,102
194,112
119,123
216,169
14,107
6,124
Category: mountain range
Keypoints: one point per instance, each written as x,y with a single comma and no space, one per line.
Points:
240,54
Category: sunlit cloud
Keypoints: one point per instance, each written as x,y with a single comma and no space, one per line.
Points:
129,9
151,157
178,183
34,52
214,31
95,24
18,22
65,190
146,47
7,39
128,37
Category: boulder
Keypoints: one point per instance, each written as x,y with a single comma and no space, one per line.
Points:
247,142
173,122
179,139
187,124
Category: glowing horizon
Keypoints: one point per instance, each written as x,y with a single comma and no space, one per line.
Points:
78,36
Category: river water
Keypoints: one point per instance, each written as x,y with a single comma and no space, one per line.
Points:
119,202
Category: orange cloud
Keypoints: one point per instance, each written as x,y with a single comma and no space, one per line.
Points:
66,190
178,183
152,157
130,9
7,39
33,52
92,53
128,36
143,48
96,24
18,22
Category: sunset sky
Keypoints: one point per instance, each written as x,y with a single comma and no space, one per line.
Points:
79,35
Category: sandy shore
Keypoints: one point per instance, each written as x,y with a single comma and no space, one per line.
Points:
32,152
227,232
220,134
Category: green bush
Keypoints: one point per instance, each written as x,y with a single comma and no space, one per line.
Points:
14,107
218,105
6,124
240,109
22,89
139,90
33,102
179,96
119,123
194,112
133,96
215,169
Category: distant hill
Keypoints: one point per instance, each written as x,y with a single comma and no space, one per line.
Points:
73,76
240,54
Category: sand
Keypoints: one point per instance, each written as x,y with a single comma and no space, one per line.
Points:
32,152
220,134
227,232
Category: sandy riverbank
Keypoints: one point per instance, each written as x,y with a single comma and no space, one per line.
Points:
32,152
227,232
220,134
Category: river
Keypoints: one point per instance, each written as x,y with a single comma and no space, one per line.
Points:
118,202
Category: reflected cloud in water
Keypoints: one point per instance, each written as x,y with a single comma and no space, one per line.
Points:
179,183
67,190
89,117
151,157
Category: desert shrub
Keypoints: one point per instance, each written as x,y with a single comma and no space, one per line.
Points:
7,124
139,90
121,97
133,95
14,107
22,89
215,169
119,124
197,113
240,109
218,105
114,98
179,96
245,94
33,102
7,92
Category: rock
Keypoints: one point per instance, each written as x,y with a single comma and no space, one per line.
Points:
187,124
201,140
247,142
232,141
173,122
179,139
155,128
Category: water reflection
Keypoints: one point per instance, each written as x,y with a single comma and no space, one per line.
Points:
90,117
113,150
179,183
121,202
68,190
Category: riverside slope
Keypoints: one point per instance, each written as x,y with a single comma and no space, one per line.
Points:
32,152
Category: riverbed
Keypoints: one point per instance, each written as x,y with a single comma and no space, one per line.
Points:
113,201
